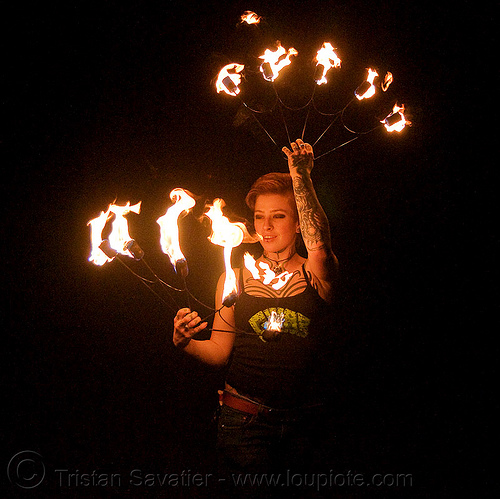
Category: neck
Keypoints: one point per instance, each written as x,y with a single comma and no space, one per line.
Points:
280,256
277,265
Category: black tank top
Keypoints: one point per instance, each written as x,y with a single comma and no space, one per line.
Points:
278,373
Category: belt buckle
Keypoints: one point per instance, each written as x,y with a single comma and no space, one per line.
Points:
265,410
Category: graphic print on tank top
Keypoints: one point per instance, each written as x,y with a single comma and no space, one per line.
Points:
294,322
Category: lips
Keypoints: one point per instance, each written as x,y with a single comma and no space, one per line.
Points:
268,239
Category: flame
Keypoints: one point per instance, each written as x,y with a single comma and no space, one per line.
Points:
97,256
268,276
388,79
275,61
396,121
250,17
228,235
275,322
326,58
169,230
367,88
229,78
119,235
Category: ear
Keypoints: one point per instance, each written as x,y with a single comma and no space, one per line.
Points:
297,229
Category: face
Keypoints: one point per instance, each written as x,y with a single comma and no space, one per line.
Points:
276,221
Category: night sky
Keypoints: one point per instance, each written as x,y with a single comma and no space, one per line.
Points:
117,102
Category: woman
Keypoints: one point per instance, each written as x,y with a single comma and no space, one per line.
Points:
270,369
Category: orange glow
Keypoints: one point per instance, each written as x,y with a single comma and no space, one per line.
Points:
326,58
396,121
275,61
119,235
250,17
266,275
229,78
367,88
169,229
228,235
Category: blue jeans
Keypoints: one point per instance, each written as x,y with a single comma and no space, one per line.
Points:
258,453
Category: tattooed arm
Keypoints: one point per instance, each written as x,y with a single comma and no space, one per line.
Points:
321,262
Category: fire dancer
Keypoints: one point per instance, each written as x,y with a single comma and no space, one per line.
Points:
270,339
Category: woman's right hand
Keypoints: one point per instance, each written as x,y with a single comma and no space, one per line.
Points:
186,325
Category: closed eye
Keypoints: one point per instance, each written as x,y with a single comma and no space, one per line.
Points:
276,215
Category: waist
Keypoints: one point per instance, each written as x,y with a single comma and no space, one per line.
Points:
254,407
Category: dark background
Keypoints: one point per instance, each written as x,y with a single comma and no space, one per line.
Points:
116,101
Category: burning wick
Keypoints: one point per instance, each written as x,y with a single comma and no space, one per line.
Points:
326,58
107,249
250,17
388,79
367,88
119,240
135,250
272,327
228,235
275,61
98,255
396,121
229,78
169,229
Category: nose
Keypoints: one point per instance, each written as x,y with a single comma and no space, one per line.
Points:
268,224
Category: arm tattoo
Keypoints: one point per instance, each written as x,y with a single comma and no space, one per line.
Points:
313,220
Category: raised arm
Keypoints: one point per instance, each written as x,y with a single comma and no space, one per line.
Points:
217,349
321,261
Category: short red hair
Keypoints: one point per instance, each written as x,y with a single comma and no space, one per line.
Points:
270,183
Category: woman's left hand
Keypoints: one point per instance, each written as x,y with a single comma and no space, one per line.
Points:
300,158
